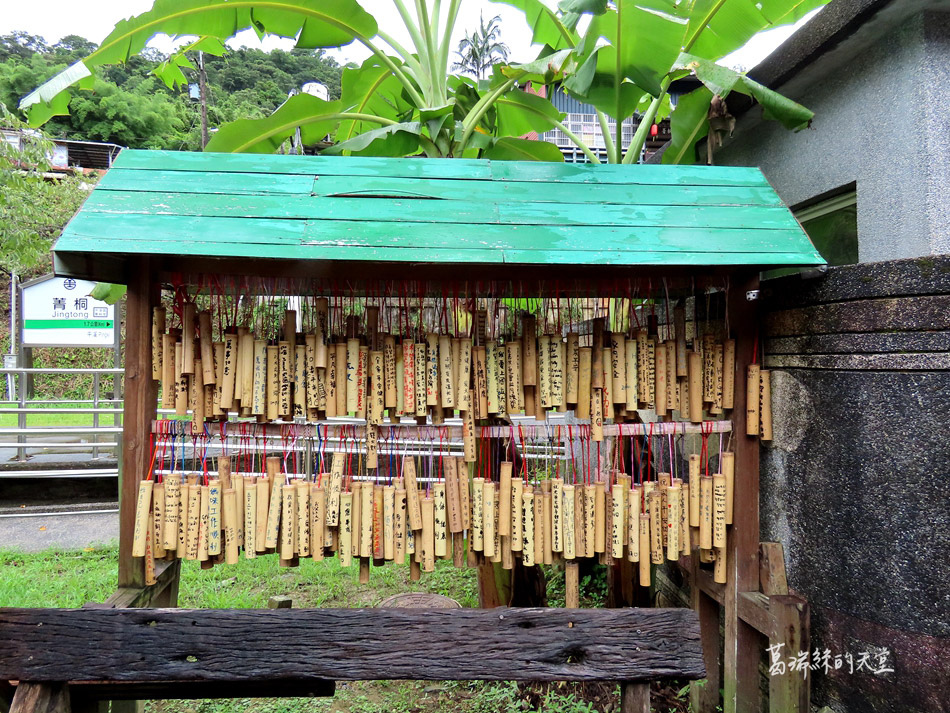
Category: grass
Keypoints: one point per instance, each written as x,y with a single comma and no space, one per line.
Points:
71,578
49,418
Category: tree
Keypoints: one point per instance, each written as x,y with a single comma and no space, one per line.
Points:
33,209
482,49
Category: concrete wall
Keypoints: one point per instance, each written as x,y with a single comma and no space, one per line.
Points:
881,121
856,483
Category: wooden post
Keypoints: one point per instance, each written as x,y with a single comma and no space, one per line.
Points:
43,697
141,394
742,643
790,690
634,697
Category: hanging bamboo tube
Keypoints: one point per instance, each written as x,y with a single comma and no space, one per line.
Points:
321,311
719,511
412,493
345,550
489,515
645,555
168,371
264,487
302,511
753,400
631,374
514,387
597,356
389,532
695,387
580,524
571,585
228,370
596,416
600,517
705,512
556,361
142,520
399,525
409,377
356,526
465,500
335,489
720,572
274,507
568,522
557,514
230,530
590,499
250,520
572,368
366,520
352,376
389,371
679,326
660,375
547,530
642,340
477,542
214,517
299,384
188,338
362,382
606,395
765,405
656,524
529,351
517,515
273,383
158,332
172,507
729,473
447,385
504,500
480,366
421,361
584,390
318,517
674,504
708,349
501,355
685,544
694,490
341,375
205,342
617,511
463,391
618,368
729,374
499,556
716,407
672,404
440,528
196,401
315,378
259,378
237,482
491,374
468,434
432,368
181,383
528,528
377,389
544,371
633,524
158,520
244,378
651,372
453,503
194,518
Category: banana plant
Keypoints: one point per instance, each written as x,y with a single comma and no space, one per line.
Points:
402,101
631,51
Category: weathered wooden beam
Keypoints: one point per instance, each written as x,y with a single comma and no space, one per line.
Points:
44,697
143,645
790,692
772,568
166,579
755,611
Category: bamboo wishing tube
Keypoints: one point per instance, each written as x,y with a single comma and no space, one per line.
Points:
272,533
480,366
321,310
158,332
642,372
439,520
504,500
340,373
661,403
752,400
645,556
445,371
597,357
181,383
684,517
229,370
729,374
356,526
694,496
389,522
672,403
584,391
230,530
318,517
478,516
719,511
468,433
706,512
413,505
377,389
463,391
409,376
288,523
453,506
719,566
399,525
302,508
244,377
716,407
600,518
142,505
572,368
765,405
607,403
679,324
618,368
188,338
729,473
528,527
194,519
631,371
272,411
345,550
633,524
517,515
432,368
352,378
264,488
656,523
250,520
421,362
547,524
568,524
617,532
556,359
590,498
596,415
513,385
465,500
362,380
695,387
544,371
237,482
557,514
491,376
674,518
366,521
580,525
427,540
205,342
214,517
389,370
172,500
158,520
169,383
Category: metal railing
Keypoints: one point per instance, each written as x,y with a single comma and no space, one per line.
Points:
96,407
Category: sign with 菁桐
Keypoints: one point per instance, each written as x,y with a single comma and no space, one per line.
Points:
58,311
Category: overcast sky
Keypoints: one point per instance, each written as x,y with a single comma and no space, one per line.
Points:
52,19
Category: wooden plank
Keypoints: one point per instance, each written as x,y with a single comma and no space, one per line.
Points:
208,183
349,644
437,168
742,645
790,691
479,211
512,191
40,698
754,610
141,397
772,577
186,690
166,578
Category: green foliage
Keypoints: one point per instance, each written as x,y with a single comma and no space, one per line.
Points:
33,208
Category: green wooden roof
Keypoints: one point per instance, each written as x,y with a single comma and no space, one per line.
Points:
344,210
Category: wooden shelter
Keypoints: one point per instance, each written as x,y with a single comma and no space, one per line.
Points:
160,218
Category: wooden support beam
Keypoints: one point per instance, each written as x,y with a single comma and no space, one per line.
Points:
141,395
44,697
772,568
742,643
151,645
790,691
634,697
164,593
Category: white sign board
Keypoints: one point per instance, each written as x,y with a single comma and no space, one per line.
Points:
59,312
